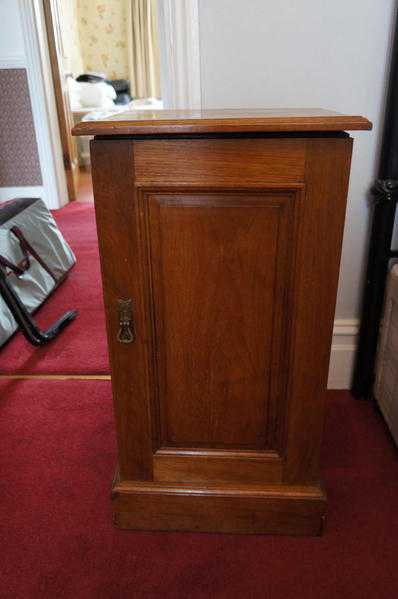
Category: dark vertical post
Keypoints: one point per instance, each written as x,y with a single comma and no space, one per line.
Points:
386,192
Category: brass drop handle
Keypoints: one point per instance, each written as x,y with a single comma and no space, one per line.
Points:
126,333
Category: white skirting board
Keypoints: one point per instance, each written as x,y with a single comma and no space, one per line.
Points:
341,366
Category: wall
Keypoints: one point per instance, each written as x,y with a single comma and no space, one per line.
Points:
19,163
31,156
11,38
334,55
70,37
103,37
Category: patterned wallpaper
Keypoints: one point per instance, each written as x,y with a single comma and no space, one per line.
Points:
103,36
19,158
70,37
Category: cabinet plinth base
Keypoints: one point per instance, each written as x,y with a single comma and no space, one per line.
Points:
271,509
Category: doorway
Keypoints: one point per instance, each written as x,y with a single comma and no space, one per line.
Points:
105,59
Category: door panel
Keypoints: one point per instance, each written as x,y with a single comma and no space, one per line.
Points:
220,279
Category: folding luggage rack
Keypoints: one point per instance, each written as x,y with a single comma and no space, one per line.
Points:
26,324
32,333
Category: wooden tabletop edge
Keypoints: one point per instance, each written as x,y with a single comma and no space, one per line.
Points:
266,125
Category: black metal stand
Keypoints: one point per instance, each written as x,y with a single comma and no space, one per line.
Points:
27,325
380,252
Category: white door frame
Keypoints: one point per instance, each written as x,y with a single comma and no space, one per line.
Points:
54,190
180,80
180,53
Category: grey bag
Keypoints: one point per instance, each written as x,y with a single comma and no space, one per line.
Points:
33,254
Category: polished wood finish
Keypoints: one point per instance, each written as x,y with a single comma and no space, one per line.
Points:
227,162
65,118
122,262
273,509
222,121
229,248
215,348
192,466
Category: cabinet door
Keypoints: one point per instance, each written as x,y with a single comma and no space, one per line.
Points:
220,280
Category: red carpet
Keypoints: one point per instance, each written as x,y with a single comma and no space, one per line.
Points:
57,460
81,348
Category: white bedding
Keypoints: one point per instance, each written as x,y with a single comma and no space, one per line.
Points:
141,104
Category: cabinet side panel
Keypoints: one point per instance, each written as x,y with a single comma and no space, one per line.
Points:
317,271
119,242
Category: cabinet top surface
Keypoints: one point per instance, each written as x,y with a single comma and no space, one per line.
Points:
266,120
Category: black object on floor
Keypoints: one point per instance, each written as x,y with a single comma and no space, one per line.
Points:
380,251
25,322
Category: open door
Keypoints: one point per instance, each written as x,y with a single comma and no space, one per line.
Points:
59,74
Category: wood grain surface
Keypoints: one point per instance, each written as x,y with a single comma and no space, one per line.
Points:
221,121
229,249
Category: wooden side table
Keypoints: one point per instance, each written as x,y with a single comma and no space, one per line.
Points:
220,235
